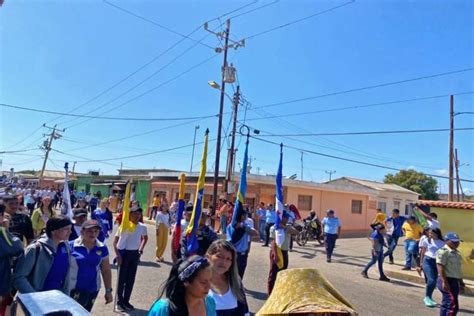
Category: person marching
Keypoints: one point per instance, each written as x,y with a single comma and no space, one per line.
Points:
261,212
332,230
393,226
379,218
163,223
413,232
449,261
79,217
20,224
270,218
105,217
90,256
41,215
226,285
176,250
129,242
377,241
186,290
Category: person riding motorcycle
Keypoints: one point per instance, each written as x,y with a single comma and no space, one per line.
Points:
315,225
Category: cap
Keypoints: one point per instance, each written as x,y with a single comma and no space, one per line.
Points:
452,237
56,223
78,212
91,223
330,211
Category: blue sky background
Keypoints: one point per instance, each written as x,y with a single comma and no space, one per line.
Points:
56,55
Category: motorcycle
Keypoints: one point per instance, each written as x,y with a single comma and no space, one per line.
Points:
309,230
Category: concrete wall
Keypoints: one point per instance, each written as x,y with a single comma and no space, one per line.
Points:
461,222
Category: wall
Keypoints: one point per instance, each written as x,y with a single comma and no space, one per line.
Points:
461,222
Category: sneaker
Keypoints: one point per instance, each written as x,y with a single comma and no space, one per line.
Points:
129,306
429,302
433,302
121,307
391,262
406,268
264,245
328,260
364,274
384,278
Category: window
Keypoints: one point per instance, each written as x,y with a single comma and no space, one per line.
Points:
382,206
356,207
396,204
305,202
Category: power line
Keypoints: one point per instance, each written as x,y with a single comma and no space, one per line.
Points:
366,88
105,117
17,151
347,159
152,89
300,20
435,130
255,9
360,106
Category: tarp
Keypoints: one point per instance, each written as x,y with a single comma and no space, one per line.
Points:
142,190
305,292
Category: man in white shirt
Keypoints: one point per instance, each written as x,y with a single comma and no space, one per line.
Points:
432,220
129,247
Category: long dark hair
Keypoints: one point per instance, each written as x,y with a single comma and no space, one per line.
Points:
437,232
173,289
50,205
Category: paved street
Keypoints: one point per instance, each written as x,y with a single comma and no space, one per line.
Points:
370,297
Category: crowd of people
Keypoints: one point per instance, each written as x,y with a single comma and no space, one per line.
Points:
42,250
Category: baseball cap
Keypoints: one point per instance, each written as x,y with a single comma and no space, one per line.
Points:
452,237
78,212
91,223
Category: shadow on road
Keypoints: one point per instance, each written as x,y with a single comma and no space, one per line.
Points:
150,264
258,295
466,311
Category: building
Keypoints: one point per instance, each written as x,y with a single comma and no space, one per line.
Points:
456,217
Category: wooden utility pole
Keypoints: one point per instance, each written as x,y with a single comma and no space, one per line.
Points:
301,166
458,182
231,154
451,149
47,147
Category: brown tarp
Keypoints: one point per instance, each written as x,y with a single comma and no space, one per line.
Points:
305,292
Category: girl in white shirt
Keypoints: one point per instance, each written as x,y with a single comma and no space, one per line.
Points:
163,223
226,285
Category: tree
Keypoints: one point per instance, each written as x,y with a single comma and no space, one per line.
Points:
415,181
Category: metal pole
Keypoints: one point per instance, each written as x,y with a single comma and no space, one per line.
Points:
219,126
458,183
451,149
194,145
230,164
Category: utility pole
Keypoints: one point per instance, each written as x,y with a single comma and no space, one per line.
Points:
451,149
223,36
47,147
194,145
74,167
330,173
302,166
231,152
458,182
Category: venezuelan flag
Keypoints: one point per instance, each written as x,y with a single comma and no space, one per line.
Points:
234,234
279,208
126,225
191,238
179,215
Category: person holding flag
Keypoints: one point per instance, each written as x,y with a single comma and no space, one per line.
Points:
281,232
238,231
199,236
66,208
129,243
177,232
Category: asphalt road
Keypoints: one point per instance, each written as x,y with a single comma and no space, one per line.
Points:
370,297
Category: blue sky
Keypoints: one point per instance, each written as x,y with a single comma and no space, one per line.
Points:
56,55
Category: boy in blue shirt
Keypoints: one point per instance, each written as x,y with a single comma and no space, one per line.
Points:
377,240
394,232
332,230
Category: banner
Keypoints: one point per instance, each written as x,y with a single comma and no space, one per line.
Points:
66,208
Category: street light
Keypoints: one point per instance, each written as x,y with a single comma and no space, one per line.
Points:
214,84
194,145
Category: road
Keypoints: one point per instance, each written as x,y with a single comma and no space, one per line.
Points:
370,297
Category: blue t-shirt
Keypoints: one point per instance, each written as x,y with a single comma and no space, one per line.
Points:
397,225
58,271
88,265
331,225
162,307
270,217
261,212
377,237
105,219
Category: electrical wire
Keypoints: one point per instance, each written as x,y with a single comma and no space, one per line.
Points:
17,151
347,159
106,117
300,20
255,9
386,84
434,130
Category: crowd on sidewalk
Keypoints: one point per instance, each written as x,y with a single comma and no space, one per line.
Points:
42,250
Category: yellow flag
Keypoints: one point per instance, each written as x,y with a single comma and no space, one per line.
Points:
126,225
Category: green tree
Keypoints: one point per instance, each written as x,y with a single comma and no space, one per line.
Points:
415,181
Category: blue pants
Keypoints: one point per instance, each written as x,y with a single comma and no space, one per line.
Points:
392,242
85,299
242,258
450,303
330,243
411,251
376,257
431,274
261,229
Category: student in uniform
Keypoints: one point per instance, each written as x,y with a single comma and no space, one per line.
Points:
377,242
41,215
128,248
332,230
393,225
163,223
428,248
79,217
413,232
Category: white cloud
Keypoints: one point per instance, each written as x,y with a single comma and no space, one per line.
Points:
442,172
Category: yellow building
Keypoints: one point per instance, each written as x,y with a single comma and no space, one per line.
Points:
457,217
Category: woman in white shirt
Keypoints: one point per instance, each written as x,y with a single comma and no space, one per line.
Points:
226,285
163,223
428,248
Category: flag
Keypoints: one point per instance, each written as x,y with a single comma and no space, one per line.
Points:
421,219
66,208
179,215
279,208
236,233
126,225
191,238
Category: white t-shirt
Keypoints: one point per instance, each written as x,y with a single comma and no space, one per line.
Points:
431,245
433,223
131,241
162,218
224,301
